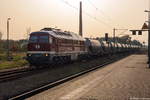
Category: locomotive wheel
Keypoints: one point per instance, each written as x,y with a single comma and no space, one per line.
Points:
65,59
57,60
32,66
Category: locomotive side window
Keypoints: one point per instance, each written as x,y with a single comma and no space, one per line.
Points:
33,39
43,39
50,40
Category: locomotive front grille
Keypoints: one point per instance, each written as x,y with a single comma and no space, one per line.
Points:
39,58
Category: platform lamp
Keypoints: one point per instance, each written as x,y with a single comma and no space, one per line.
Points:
8,46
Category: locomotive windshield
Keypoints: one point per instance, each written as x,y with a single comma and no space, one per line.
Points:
33,39
40,39
43,39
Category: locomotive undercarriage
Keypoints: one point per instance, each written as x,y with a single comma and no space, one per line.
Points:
50,59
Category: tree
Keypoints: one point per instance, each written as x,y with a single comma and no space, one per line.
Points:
1,35
1,47
28,31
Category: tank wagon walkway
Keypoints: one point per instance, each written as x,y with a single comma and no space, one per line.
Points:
127,79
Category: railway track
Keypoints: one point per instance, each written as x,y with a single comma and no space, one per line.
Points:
13,74
50,85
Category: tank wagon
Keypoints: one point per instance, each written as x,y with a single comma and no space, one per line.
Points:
51,45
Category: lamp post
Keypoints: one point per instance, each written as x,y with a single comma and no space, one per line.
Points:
80,20
148,11
8,48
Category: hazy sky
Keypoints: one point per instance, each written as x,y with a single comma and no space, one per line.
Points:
37,14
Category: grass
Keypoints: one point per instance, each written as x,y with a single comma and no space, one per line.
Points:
17,61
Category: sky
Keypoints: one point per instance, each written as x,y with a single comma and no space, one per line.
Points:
99,16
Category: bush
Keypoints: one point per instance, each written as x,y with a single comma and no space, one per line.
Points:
17,61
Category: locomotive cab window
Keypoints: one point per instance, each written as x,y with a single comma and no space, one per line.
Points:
33,39
43,39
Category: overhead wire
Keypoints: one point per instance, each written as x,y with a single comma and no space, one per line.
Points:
69,4
87,14
102,12
99,10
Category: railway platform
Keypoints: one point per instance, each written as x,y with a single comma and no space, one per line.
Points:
127,79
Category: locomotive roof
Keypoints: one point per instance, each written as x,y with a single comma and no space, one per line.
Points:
62,35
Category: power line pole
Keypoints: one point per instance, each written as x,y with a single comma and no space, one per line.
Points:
80,19
114,37
114,34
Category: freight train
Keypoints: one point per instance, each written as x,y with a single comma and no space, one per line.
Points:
50,45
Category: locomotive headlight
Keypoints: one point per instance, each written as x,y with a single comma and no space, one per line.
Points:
46,54
28,54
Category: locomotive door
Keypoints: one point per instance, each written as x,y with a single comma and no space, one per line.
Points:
52,43
56,44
